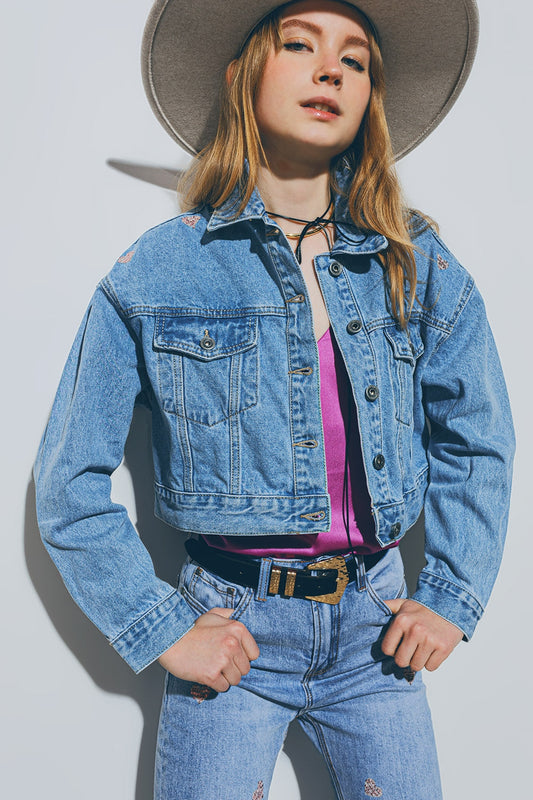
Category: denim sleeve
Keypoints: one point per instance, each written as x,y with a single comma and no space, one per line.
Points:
91,539
470,452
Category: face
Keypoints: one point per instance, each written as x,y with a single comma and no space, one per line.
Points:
315,90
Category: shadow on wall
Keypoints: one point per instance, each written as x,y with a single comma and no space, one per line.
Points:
108,670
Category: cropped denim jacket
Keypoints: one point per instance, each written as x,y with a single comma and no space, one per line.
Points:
206,319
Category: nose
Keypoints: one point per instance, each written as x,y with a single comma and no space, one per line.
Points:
329,72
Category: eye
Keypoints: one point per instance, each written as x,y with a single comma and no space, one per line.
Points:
296,46
353,63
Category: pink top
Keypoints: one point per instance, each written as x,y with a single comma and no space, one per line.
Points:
335,394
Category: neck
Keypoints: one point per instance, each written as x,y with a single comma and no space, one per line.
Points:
294,192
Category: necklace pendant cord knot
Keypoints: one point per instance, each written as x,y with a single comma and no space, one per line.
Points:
311,226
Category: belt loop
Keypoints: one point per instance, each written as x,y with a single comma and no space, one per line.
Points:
261,592
361,573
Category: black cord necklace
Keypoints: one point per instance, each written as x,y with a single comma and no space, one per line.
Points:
311,226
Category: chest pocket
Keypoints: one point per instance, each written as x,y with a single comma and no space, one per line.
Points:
404,348
207,366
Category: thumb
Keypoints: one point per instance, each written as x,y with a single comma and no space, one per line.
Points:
395,605
221,612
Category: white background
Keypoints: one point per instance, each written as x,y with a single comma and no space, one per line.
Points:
76,722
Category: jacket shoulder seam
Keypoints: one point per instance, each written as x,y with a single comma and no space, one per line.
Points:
459,308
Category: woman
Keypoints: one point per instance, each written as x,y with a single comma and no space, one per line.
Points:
295,258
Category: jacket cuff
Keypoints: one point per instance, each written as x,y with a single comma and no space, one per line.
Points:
449,601
157,630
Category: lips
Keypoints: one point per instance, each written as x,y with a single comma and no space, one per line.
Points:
323,104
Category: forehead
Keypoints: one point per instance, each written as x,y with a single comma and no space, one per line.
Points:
344,12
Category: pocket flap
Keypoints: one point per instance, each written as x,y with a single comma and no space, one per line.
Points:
406,345
203,337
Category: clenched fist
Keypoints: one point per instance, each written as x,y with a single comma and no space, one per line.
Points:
216,652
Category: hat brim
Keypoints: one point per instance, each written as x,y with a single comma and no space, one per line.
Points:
428,47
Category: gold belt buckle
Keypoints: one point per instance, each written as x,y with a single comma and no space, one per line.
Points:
338,563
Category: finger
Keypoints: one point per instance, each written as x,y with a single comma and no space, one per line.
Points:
436,659
246,640
405,651
392,638
420,657
221,612
249,645
395,604
242,662
221,684
232,674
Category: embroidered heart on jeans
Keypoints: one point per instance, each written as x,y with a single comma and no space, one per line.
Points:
201,692
371,790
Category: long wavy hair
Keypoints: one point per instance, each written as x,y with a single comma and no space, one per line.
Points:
374,195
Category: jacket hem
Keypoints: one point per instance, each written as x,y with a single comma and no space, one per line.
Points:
242,515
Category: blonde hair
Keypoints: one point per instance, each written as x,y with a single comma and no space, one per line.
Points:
374,195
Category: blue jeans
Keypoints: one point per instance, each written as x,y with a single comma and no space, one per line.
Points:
320,664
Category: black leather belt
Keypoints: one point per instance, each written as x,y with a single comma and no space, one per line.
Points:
328,587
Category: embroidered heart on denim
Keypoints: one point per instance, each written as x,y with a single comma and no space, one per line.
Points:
127,257
191,221
201,692
258,794
371,790
409,674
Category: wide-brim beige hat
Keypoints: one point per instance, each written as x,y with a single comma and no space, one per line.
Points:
428,48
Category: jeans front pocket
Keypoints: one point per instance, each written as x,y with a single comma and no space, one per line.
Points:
204,590
386,581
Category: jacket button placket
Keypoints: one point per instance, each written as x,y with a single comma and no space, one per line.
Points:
304,392
356,344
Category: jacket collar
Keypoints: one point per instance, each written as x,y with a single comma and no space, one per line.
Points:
350,239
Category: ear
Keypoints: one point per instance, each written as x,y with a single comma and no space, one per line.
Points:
230,70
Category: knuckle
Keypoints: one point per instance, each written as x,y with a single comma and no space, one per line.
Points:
212,675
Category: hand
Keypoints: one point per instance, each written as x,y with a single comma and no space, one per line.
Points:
216,652
417,637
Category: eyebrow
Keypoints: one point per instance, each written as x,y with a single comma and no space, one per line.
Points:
357,41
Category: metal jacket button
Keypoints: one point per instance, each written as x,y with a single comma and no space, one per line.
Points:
207,342
379,461
335,269
354,326
371,393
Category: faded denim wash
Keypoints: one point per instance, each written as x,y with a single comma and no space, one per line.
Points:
319,664
206,319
